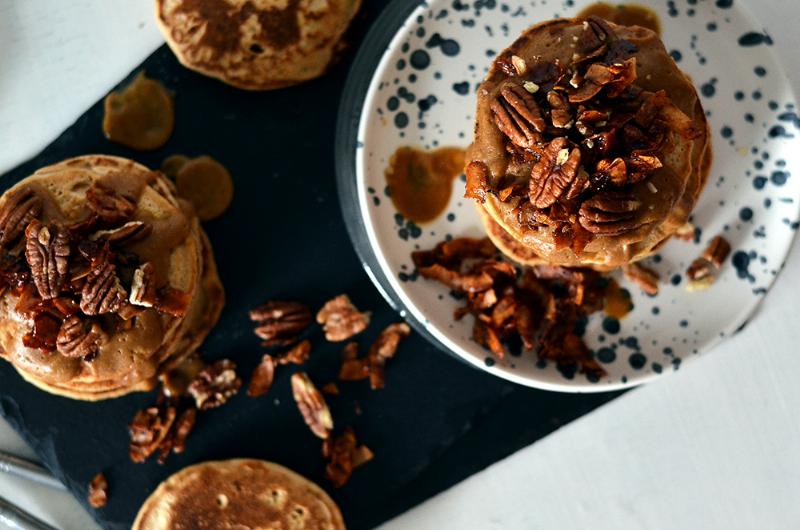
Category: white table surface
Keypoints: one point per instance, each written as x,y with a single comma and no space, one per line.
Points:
715,446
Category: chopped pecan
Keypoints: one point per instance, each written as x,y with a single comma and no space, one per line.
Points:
686,232
143,287
560,111
78,337
47,252
353,368
126,234
298,354
383,349
182,428
518,116
344,455
595,34
640,166
609,213
332,389
614,171
98,491
312,405
341,320
102,293
109,205
149,429
21,207
215,384
645,277
280,323
717,251
709,262
263,375
477,174
554,173
700,269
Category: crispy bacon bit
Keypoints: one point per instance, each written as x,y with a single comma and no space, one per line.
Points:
298,354
98,491
263,375
172,301
44,334
280,323
645,277
344,455
341,320
312,405
215,384
383,349
477,174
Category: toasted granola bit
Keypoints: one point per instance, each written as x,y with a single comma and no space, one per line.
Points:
353,368
530,86
263,375
143,287
130,232
341,320
98,491
312,405
645,277
215,384
383,349
717,251
344,455
332,389
109,205
47,253
21,207
78,337
298,354
280,323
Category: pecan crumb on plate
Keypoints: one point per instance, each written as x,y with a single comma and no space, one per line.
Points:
312,405
703,270
98,491
341,320
344,455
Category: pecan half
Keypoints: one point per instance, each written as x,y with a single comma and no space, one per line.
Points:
614,171
717,251
560,112
709,262
149,429
98,491
182,428
78,338
518,116
109,205
130,232
609,213
263,375
344,455
312,405
20,208
645,277
383,349
143,286
553,174
477,174
47,253
298,354
102,293
341,320
353,368
215,384
280,323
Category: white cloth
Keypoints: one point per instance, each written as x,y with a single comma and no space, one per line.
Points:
714,446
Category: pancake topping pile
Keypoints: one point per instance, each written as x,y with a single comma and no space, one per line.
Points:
584,133
76,283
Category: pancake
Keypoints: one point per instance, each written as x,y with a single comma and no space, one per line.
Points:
636,214
131,350
256,44
507,244
239,493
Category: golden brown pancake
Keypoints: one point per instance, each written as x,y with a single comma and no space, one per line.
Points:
655,206
507,244
129,351
238,493
256,44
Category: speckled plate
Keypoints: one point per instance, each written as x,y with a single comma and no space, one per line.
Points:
414,84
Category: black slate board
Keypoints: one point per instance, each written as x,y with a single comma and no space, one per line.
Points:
437,421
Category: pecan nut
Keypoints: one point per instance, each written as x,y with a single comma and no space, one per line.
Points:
263,375
341,320
383,349
126,234
645,277
98,491
215,384
20,208
102,293
298,354
78,338
312,405
518,116
477,174
109,205
609,213
554,173
717,251
149,429
143,286
344,455
560,112
280,323
47,252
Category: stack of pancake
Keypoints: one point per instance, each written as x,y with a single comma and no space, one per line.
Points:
107,278
591,147
238,494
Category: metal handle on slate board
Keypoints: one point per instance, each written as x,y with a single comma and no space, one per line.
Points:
15,517
14,465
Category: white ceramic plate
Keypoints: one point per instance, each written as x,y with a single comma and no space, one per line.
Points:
422,93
